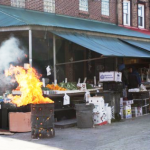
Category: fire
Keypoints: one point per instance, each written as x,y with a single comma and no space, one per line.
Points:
29,85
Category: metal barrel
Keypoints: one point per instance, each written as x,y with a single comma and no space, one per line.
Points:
42,120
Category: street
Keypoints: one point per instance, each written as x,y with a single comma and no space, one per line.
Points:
132,134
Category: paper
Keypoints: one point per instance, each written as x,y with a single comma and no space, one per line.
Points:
48,69
66,100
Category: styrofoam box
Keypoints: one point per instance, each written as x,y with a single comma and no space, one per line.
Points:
100,118
110,76
97,99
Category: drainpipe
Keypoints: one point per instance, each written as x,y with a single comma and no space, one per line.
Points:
116,12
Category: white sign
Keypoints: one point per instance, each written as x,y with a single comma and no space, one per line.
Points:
110,76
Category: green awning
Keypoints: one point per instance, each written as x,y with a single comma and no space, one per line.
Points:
105,45
11,16
140,44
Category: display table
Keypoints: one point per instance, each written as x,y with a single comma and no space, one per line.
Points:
141,98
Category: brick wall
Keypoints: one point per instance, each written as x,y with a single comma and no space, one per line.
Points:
71,8
5,2
134,13
34,5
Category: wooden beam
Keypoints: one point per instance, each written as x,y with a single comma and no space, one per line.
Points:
79,61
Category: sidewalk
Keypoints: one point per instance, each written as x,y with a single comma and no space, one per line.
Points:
133,134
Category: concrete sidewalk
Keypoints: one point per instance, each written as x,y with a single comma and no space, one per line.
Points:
133,134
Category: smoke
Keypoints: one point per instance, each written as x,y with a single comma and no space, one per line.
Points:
11,52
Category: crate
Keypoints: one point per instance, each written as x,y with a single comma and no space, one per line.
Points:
113,86
140,95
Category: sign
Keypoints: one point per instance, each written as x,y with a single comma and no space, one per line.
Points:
110,76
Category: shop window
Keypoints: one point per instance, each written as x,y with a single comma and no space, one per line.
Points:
49,6
105,7
83,5
140,16
126,13
18,3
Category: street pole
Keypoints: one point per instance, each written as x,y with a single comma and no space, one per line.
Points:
30,47
54,57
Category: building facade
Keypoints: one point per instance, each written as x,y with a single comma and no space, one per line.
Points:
101,10
134,14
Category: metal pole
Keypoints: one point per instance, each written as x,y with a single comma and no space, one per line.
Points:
54,57
30,47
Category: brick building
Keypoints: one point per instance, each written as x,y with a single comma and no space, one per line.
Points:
89,9
134,14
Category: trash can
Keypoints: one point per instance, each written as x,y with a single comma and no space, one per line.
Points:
84,115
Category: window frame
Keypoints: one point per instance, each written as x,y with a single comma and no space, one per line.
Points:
52,6
128,13
143,15
14,3
83,6
103,2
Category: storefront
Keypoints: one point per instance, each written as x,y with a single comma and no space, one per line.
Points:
74,48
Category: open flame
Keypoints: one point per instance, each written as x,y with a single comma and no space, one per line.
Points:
29,85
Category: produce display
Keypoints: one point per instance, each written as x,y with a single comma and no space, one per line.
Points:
55,87
68,85
73,85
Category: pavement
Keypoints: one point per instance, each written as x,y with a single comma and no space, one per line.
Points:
132,134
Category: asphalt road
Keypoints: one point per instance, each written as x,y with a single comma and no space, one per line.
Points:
133,134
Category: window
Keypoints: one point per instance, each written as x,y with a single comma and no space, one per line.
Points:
18,3
126,12
83,5
49,6
140,16
105,7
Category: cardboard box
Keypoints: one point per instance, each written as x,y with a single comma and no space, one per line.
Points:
20,122
127,111
137,111
110,76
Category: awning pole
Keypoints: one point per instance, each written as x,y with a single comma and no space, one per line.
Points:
116,64
54,57
30,47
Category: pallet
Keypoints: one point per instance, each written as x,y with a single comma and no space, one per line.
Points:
65,123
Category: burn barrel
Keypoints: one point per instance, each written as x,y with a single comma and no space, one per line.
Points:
42,121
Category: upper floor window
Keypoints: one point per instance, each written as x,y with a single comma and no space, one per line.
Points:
18,3
126,12
83,5
140,16
105,7
49,6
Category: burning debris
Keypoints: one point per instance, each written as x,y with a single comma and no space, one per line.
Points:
29,85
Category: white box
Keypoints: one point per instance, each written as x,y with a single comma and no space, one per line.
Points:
140,111
121,112
129,102
127,111
100,118
110,76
